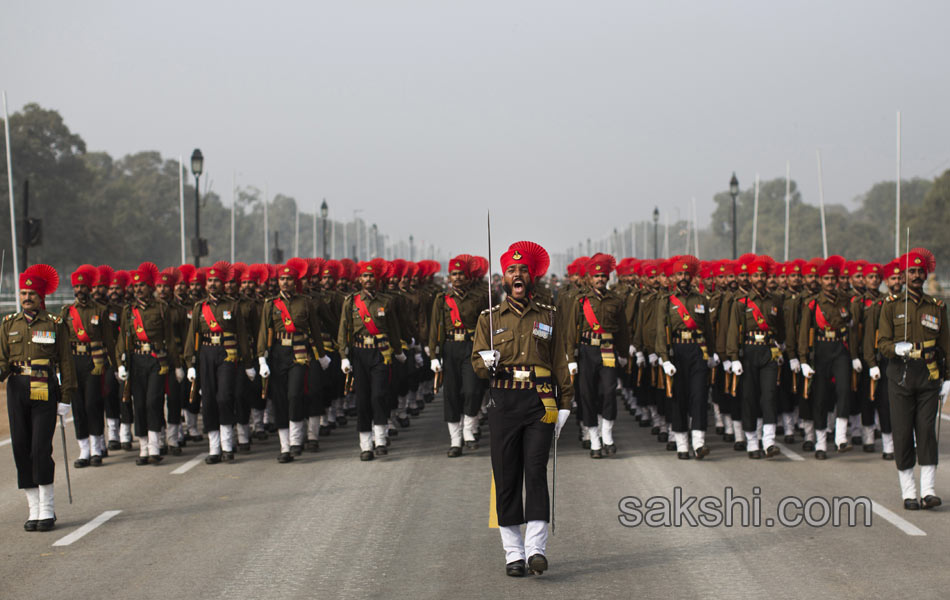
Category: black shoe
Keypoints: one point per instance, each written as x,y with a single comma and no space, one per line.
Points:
455,451
285,457
470,445
381,451
739,446
81,463
610,449
175,450
585,444
312,446
720,430
821,455
808,445
855,440
163,451
296,450
682,455
515,569
261,435
930,502
325,430
195,438
538,564
391,433
888,456
366,455
95,460
789,439
663,436
428,397
755,454
244,448
30,525
868,447
350,412
46,524
114,445
911,504
779,430
728,437
212,459
154,460
227,456
644,422
655,430
844,447
772,451
126,445
670,446
598,453
183,441
340,421
403,421
877,434
413,412
702,452
142,460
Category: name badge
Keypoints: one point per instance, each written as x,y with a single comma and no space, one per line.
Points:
94,320
774,310
844,313
189,314
700,309
44,337
113,317
930,322
226,315
542,331
381,312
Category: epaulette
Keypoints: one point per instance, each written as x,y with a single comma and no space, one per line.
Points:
9,316
487,310
55,319
890,298
547,307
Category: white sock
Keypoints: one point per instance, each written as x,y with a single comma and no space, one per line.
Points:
366,441
855,423
298,433
401,403
788,423
125,432
594,433
887,441
257,418
46,498
821,439
512,542
33,499
908,485
379,434
737,429
727,424
143,446
455,435
244,433
841,431
928,480
97,444
113,429
469,425
313,428
867,435
284,436
752,440
84,448
535,538
607,432
191,419
214,442
227,438
699,439
718,415
682,441
153,443
174,435
412,399
809,427
768,435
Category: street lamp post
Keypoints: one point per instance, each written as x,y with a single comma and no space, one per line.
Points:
656,232
373,246
734,190
324,212
197,166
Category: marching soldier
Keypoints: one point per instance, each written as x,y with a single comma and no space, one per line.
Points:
33,345
189,291
147,354
177,390
90,338
333,380
682,324
117,286
877,363
524,353
216,344
913,337
368,341
110,388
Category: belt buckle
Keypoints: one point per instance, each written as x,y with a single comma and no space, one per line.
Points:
369,340
759,337
25,370
686,335
145,347
215,339
522,376
82,348
286,342
458,337
594,341
914,353
830,335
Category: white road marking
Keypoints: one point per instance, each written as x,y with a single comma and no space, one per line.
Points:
944,417
79,533
789,452
894,520
190,464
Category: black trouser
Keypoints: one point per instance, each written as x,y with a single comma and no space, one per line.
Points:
832,361
598,384
332,379
913,412
882,402
314,397
688,407
416,373
461,389
786,400
148,394
520,444
759,379
719,396
370,381
217,387
287,380
178,392
243,396
87,403
863,398
32,424
399,383
258,398
110,394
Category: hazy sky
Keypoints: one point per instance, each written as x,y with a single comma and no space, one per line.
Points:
565,118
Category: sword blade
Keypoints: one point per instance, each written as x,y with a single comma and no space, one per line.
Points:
491,327
69,485
554,486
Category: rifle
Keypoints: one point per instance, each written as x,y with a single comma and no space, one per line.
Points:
127,386
873,389
437,382
265,380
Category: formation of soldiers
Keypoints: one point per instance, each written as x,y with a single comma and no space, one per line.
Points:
782,352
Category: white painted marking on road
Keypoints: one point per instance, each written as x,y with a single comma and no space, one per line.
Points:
789,452
894,520
944,417
191,464
79,533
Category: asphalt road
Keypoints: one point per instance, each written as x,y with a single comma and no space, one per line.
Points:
415,524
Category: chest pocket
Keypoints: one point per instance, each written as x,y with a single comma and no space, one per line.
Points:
503,337
152,319
930,323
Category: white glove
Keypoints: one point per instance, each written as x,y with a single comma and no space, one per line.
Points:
856,365
251,373
807,371
324,362
669,369
122,373
622,361
179,374
713,361
191,374
641,360
345,365
63,409
265,370
736,367
727,366
903,348
427,351
572,368
795,365
401,357
653,359
419,361
945,389
632,350
562,416
435,365
490,358
875,373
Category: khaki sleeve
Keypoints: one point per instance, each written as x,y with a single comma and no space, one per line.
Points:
481,343
189,358
266,314
663,309
67,366
344,334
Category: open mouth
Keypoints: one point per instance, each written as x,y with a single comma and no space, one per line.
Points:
517,285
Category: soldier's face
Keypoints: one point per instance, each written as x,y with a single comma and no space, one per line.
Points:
368,281
843,282
231,287
286,283
720,281
915,278
682,279
141,291
181,288
29,300
327,282
214,285
731,281
781,280
771,282
99,292
247,287
743,280
795,280
758,280
829,282
516,281
405,283
115,293
164,291
458,279
811,282
81,292
857,280
895,283
872,281
195,288
599,281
